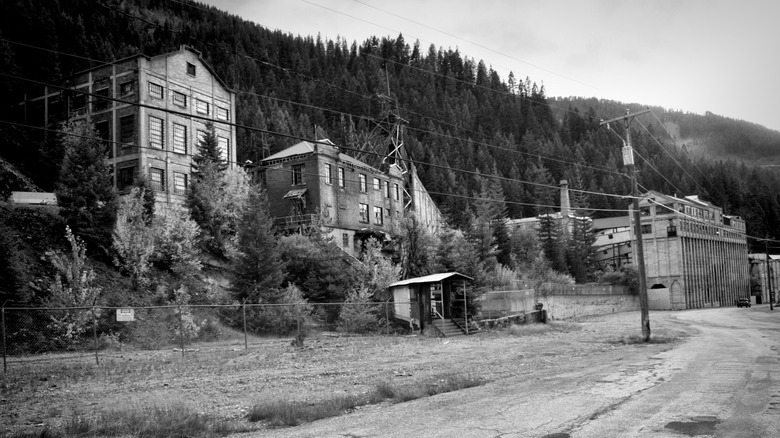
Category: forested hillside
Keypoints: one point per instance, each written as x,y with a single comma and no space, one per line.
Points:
474,136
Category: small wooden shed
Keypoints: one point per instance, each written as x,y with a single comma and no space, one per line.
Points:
423,300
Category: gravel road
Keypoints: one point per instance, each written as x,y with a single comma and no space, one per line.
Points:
721,379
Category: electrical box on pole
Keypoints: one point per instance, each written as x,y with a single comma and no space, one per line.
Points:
628,156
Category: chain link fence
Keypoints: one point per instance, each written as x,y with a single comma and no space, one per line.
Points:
82,331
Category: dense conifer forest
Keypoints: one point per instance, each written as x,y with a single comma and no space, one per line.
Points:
473,135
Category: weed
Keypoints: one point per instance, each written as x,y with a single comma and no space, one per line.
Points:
638,339
298,339
285,413
536,329
446,383
155,421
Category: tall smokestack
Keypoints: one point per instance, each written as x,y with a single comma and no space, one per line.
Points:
565,205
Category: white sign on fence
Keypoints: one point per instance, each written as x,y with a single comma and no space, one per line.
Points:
125,314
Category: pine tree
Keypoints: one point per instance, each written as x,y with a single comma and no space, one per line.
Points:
85,190
580,254
208,152
553,245
259,269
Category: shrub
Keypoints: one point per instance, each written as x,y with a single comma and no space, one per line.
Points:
628,276
359,313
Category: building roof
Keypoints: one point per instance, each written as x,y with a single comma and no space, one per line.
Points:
611,222
433,278
307,147
182,48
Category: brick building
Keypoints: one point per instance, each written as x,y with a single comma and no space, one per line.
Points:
150,112
311,183
695,256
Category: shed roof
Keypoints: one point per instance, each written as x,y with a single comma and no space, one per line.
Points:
433,278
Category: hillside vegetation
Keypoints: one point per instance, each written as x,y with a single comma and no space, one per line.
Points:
486,147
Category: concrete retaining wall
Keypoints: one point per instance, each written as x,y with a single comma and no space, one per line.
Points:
573,306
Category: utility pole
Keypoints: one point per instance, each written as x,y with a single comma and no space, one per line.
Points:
628,160
771,294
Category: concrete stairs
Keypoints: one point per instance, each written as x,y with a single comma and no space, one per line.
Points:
448,328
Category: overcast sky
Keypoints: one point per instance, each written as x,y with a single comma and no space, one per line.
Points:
721,56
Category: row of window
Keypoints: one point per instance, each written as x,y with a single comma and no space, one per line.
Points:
378,184
180,99
179,137
158,181
379,214
126,177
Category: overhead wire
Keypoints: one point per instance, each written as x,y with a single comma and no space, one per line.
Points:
306,105
271,133
472,43
670,155
692,161
657,171
267,63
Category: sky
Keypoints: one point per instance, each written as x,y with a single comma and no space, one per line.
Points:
721,56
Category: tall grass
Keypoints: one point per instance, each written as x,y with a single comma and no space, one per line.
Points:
535,329
174,421
283,413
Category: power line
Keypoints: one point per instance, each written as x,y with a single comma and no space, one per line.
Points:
656,170
472,43
689,158
670,155
545,157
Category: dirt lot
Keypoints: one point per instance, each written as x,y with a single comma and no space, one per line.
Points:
226,380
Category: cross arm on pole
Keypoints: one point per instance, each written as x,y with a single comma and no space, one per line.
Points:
624,117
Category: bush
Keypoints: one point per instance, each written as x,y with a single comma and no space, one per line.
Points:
358,314
628,276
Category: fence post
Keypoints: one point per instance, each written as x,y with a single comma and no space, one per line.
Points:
181,331
387,317
2,311
298,317
94,335
243,311
465,308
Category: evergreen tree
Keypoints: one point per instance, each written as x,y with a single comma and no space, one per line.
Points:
216,197
208,152
85,190
551,236
417,247
147,198
580,254
259,269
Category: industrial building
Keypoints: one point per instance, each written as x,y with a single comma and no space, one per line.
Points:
695,256
150,113
317,184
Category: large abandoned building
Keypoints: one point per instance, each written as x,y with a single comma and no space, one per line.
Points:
150,113
695,256
316,184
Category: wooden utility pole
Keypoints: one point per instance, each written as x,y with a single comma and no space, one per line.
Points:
770,295
628,160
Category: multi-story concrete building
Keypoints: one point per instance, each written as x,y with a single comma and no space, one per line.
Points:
695,256
317,184
150,112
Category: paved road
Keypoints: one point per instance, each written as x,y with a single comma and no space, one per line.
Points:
723,381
